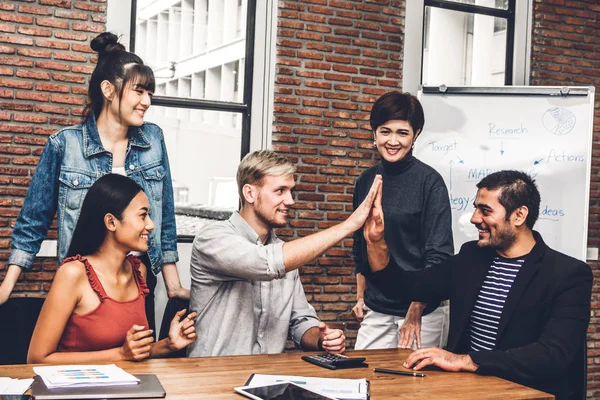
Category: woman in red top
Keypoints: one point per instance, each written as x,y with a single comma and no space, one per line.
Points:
94,311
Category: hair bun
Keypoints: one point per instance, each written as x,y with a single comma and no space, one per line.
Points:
105,43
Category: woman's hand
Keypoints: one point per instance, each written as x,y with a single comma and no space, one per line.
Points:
374,228
10,279
358,311
138,343
182,332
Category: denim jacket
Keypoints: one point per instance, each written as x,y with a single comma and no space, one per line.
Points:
73,159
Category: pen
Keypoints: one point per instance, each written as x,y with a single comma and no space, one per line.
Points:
393,371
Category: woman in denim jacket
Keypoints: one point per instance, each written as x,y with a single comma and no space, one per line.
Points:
111,138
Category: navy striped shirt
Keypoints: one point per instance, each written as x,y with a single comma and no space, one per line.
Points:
485,317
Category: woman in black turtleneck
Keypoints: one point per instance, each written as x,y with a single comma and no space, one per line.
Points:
418,229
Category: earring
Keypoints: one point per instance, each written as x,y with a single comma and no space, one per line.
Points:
374,143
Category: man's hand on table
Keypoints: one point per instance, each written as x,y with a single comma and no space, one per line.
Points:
443,359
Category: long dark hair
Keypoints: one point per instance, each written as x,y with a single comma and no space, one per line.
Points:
118,66
110,194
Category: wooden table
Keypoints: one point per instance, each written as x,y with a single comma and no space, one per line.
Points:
215,377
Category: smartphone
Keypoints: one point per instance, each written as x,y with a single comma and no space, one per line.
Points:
281,391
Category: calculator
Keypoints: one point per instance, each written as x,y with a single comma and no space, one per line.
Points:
336,361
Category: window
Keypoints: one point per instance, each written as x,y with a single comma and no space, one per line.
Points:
200,54
214,85
467,42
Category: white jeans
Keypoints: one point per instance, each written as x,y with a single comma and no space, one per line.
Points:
381,331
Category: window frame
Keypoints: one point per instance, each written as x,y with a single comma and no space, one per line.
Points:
244,108
518,42
508,14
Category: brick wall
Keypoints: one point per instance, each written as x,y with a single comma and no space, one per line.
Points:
334,58
45,63
565,51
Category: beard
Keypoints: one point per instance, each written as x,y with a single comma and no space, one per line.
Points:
502,240
270,221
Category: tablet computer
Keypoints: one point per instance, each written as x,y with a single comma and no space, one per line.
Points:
281,391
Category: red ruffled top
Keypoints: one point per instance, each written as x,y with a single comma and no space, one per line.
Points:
106,326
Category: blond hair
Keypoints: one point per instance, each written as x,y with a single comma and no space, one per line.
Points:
256,165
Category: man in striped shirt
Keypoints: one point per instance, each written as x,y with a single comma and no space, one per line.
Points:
518,309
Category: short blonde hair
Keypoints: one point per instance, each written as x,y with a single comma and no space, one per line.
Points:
256,165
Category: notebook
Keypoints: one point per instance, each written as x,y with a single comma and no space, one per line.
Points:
149,386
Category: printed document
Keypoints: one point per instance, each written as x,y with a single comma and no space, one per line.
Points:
84,375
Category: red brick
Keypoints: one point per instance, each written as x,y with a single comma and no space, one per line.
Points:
26,9
43,131
82,5
64,121
52,87
52,65
16,40
70,57
82,69
17,84
71,36
79,90
6,94
51,109
37,53
68,78
8,28
85,48
56,98
51,44
58,3
34,31
32,96
96,28
24,73
21,19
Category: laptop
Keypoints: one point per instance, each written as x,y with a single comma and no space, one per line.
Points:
149,386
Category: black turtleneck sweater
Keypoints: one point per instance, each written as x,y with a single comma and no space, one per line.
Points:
418,224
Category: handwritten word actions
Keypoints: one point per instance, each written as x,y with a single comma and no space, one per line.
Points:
562,156
551,213
496,131
460,203
438,147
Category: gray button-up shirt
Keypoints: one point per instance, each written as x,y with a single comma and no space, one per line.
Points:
245,300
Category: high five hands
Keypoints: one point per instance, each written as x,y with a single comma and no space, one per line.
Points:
373,228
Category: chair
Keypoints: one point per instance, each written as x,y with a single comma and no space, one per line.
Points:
173,305
578,373
18,316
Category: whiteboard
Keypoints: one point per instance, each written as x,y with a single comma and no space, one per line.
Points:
472,132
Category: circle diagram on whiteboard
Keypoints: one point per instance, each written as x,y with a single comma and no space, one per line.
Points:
558,121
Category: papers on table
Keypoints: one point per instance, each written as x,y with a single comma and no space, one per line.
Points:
84,375
14,386
343,389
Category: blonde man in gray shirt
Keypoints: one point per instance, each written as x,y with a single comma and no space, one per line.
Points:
245,283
